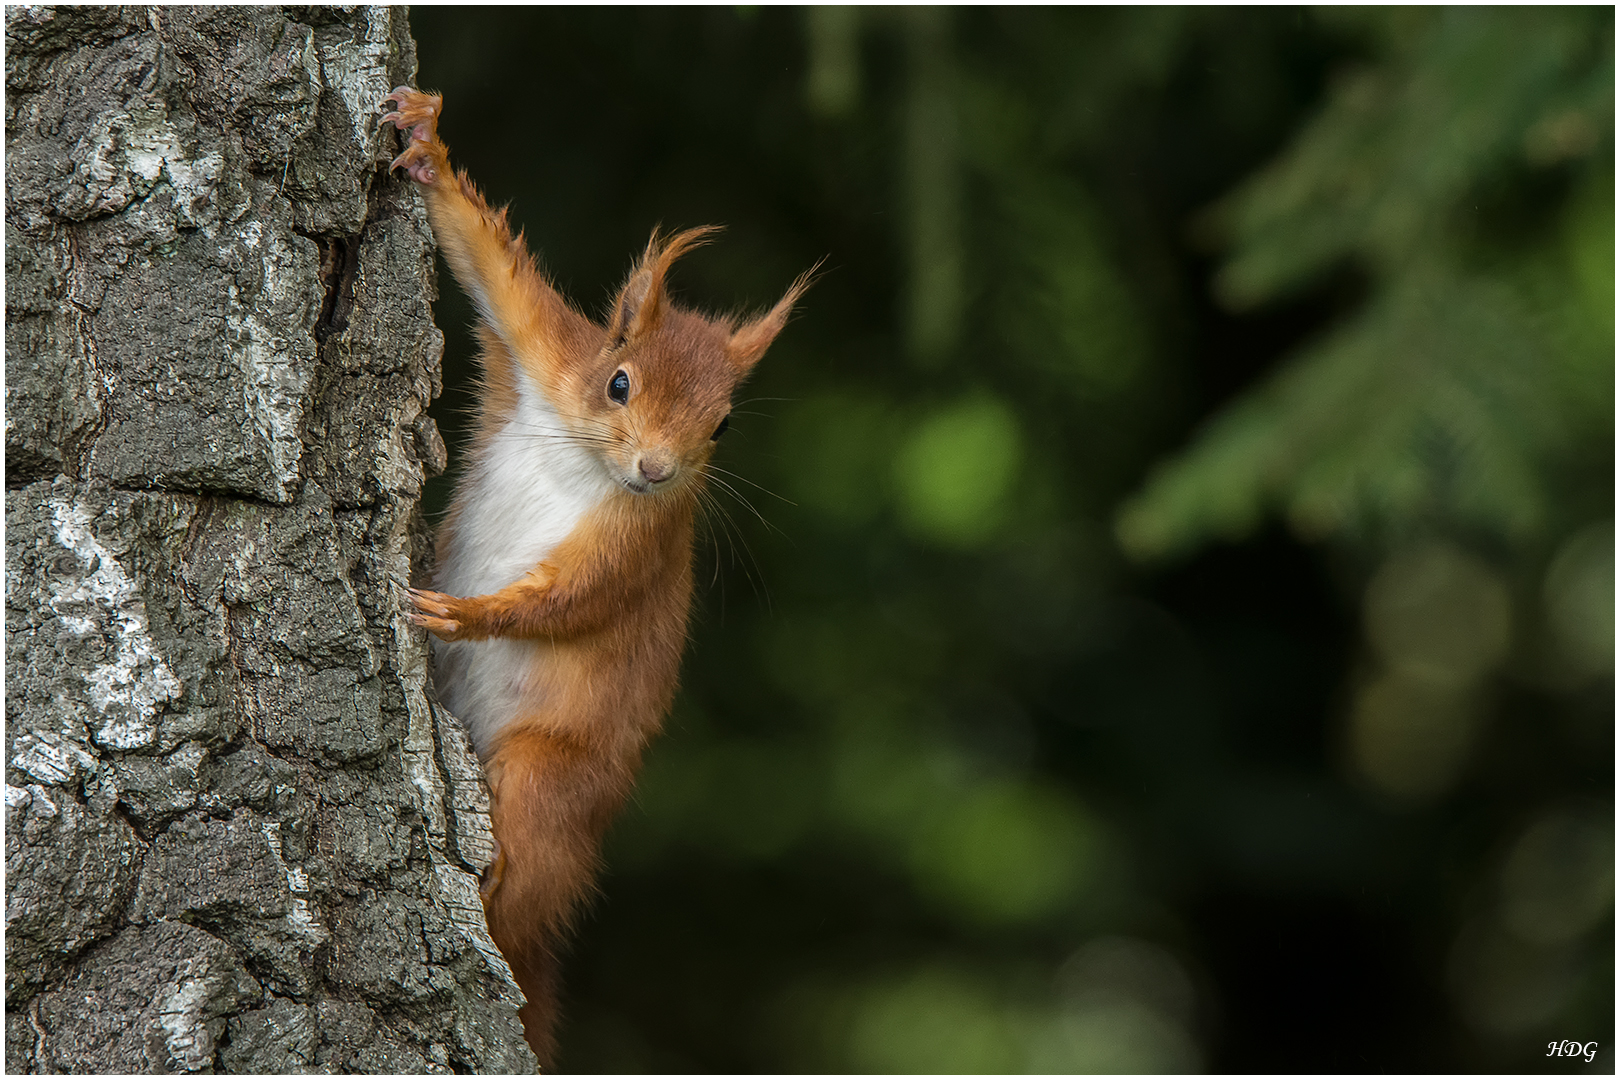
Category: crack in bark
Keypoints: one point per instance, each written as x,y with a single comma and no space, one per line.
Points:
340,264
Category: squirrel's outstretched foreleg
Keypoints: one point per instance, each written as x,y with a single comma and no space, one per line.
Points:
530,320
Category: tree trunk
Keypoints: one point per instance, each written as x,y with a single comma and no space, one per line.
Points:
239,837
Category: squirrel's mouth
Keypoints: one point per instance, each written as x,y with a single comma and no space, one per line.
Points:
646,485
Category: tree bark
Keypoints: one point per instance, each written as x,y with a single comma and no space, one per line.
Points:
239,836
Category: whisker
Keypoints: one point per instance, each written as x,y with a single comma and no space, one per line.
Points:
735,494
714,520
735,535
714,539
750,483
578,438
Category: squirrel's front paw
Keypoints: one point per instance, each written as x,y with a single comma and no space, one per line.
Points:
438,614
417,115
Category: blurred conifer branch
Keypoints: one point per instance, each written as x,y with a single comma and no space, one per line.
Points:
1475,371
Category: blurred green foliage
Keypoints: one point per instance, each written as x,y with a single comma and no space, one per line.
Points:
1479,368
1016,733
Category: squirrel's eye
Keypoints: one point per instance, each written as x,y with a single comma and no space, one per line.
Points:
619,387
721,430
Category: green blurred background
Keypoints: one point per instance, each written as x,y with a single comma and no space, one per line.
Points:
1165,620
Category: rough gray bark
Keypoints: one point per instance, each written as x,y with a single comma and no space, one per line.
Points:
238,836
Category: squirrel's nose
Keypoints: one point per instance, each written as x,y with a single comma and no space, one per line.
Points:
655,468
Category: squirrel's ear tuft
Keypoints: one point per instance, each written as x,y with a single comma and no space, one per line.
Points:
642,301
749,341
628,308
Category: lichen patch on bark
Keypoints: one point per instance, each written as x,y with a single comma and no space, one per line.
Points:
133,683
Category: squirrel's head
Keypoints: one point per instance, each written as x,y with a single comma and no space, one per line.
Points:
659,391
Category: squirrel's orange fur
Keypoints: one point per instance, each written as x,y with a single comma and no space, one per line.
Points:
573,524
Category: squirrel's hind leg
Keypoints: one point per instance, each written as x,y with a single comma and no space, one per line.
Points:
551,799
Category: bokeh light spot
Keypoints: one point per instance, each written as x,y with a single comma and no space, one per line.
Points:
1504,985
1410,736
1558,881
1006,852
1123,1036
936,1021
955,469
1439,613
1114,968
1579,597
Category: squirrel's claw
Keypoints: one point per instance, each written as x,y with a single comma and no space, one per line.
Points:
445,629
431,602
434,614
411,161
417,115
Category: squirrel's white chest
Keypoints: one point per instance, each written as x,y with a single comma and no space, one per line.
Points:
530,490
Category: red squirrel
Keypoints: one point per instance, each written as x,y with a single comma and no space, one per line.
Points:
564,567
